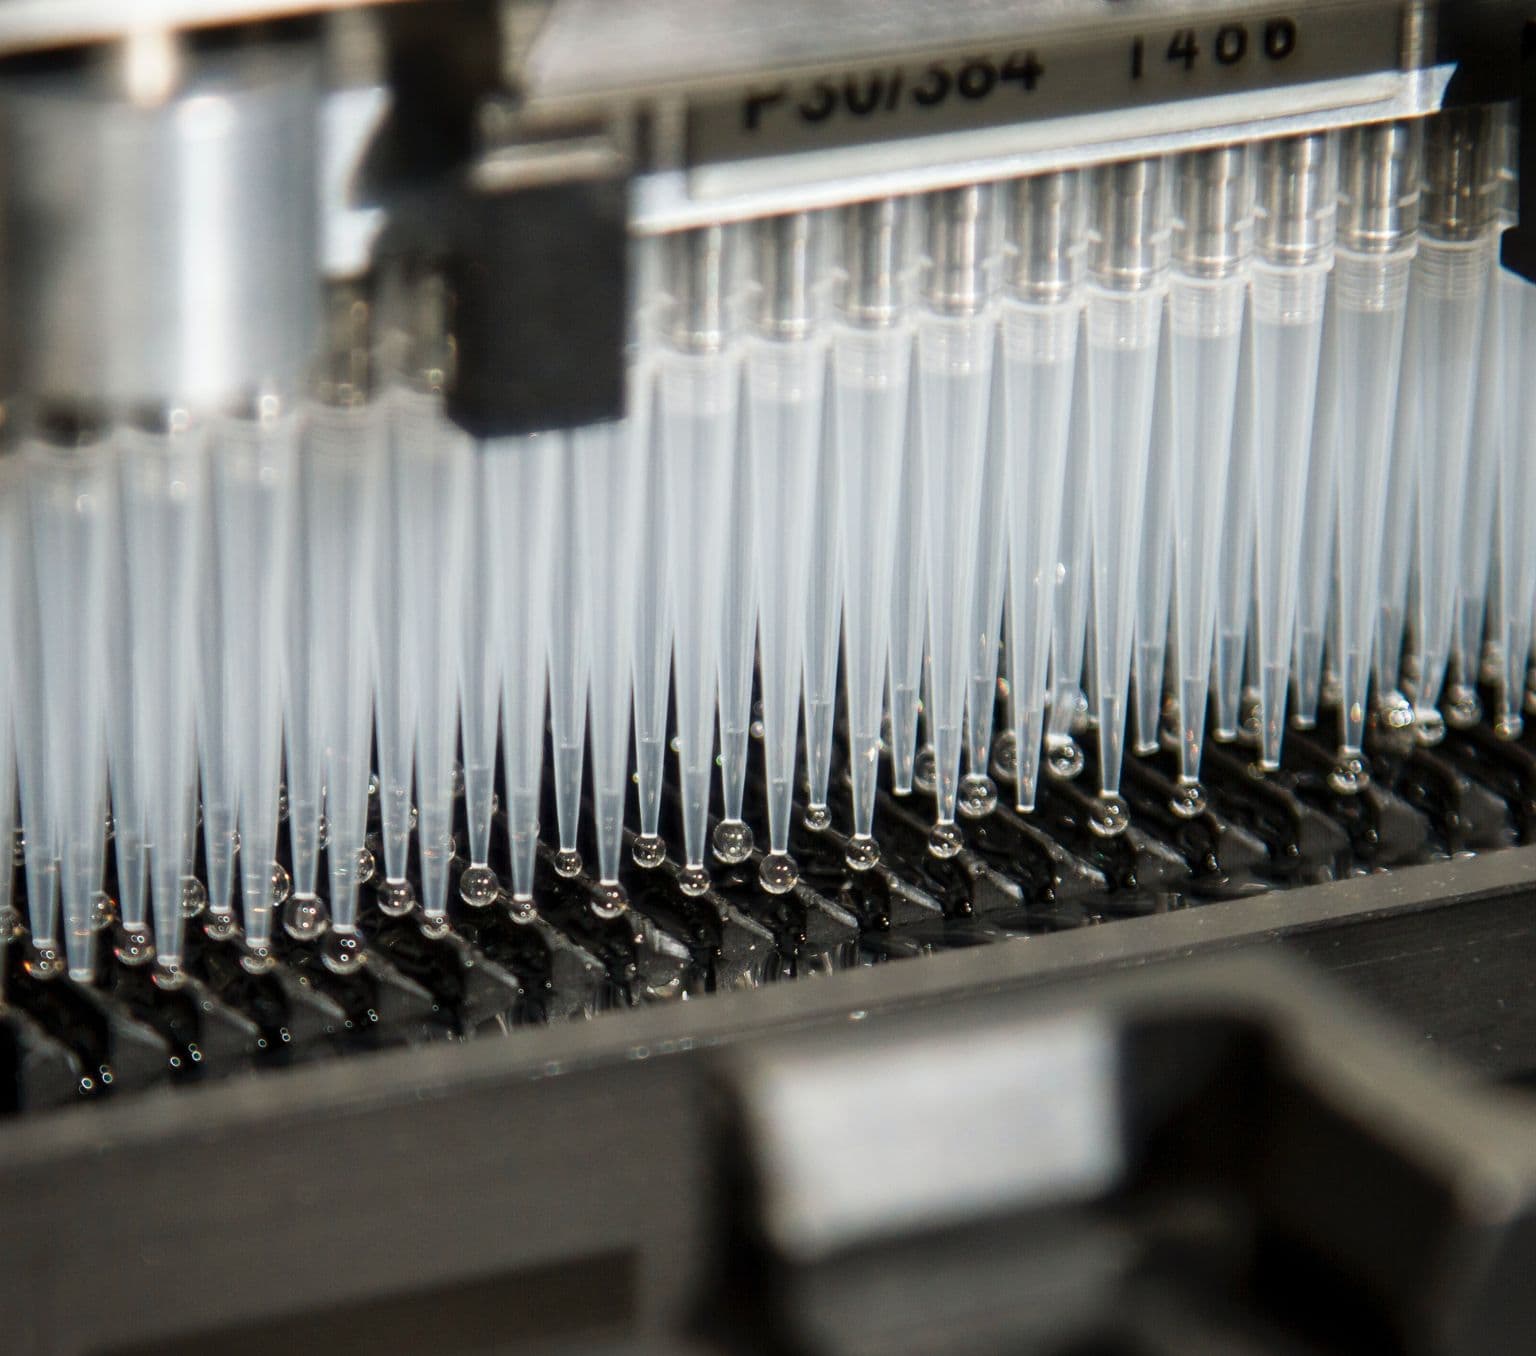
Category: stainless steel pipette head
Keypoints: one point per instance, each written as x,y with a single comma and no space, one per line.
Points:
1379,186
698,286
1297,202
785,249
873,283
1046,236
1129,231
1461,182
1213,211
958,260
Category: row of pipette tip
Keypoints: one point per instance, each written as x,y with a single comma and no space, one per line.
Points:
1232,423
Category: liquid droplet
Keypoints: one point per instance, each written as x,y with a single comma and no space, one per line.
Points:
1349,776
777,873
220,926
1188,800
1005,756
169,976
373,786
365,866
282,884
693,881
731,841
45,962
103,911
456,780
344,953
304,919
1250,724
610,899
1463,709
258,960
1509,726
818,818
568,863
862,853
945,841
478,887
134,947
282,804
1082,717
1064,759
520,909
757,729
1429,727
925,771
434,926
977,796
1394,721
396,899
194,898
1109,816
649,851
